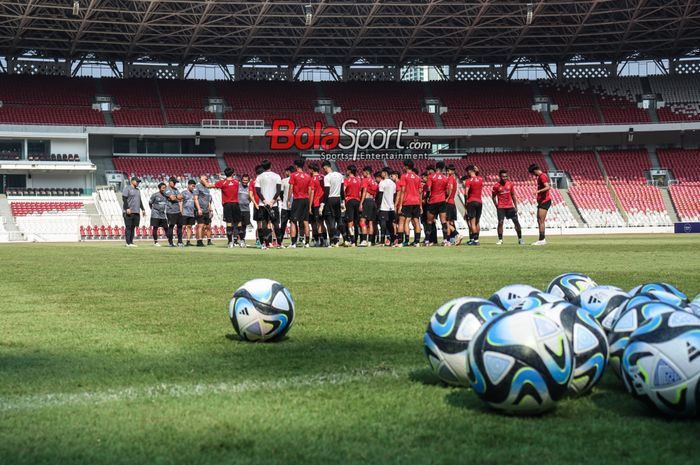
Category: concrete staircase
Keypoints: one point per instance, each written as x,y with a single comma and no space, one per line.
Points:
547,118
668,203
91,210
550,161
651,150
613,194
572,207
438,120
13,232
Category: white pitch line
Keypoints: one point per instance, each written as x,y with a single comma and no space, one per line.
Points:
78,399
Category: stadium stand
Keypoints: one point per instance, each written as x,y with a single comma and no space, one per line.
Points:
138,117
487,104
7,155
681,96
245,163
44,191
685,168
33,208
163,167
589,191
642,203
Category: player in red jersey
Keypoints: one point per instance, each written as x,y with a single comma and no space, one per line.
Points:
451,208
544,200
229,199
473,187
302,191
410,203
437,193
319,233
353,192
368,207
503,196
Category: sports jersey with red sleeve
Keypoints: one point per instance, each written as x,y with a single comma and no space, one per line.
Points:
300,183
229,190
353,188
452,183
505,194
252,192
543,197
318,190
412,191
371,186
474,186
437,184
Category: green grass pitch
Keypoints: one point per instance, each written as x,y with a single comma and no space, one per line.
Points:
115,356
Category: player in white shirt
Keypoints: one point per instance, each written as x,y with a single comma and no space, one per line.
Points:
285,206
385,200
268,186
333,198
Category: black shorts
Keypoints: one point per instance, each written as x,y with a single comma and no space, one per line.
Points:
204,219
545,206
387,216
188,220
411,211
174,219
232,212
474,210
300,210
132,220
451,210
245,218
437,208
159,223
352,210
369,210
508,213
332,209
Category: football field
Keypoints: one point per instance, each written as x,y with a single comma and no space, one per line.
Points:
114,356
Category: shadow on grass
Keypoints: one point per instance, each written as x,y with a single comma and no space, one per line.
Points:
426,377
232,359
468,400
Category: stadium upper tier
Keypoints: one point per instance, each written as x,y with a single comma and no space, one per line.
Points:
46,100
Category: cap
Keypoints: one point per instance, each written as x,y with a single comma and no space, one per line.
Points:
135,178
172,179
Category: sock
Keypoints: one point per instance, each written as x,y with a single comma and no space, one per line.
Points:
541,236
520,234
500,237
476,237
428,230
294,239
445,235
372,239
229,233
416,237
363,237
306,239
351,238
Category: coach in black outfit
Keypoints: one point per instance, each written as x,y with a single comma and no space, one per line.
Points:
133,207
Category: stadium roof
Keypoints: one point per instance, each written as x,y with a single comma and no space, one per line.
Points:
382,32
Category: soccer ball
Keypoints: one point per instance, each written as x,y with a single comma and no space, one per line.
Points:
261,310
651,296
627,323
520,362
508,296
449,333
569,285
588,342
663,287
534,300
661,364
600,301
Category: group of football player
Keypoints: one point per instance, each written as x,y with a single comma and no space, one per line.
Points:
324,208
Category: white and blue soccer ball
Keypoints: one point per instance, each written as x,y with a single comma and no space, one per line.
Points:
661,363
520,362
694,306
662,287
628,322
588,342
508,296
535,300
601,301
261,310
449,333
569,286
